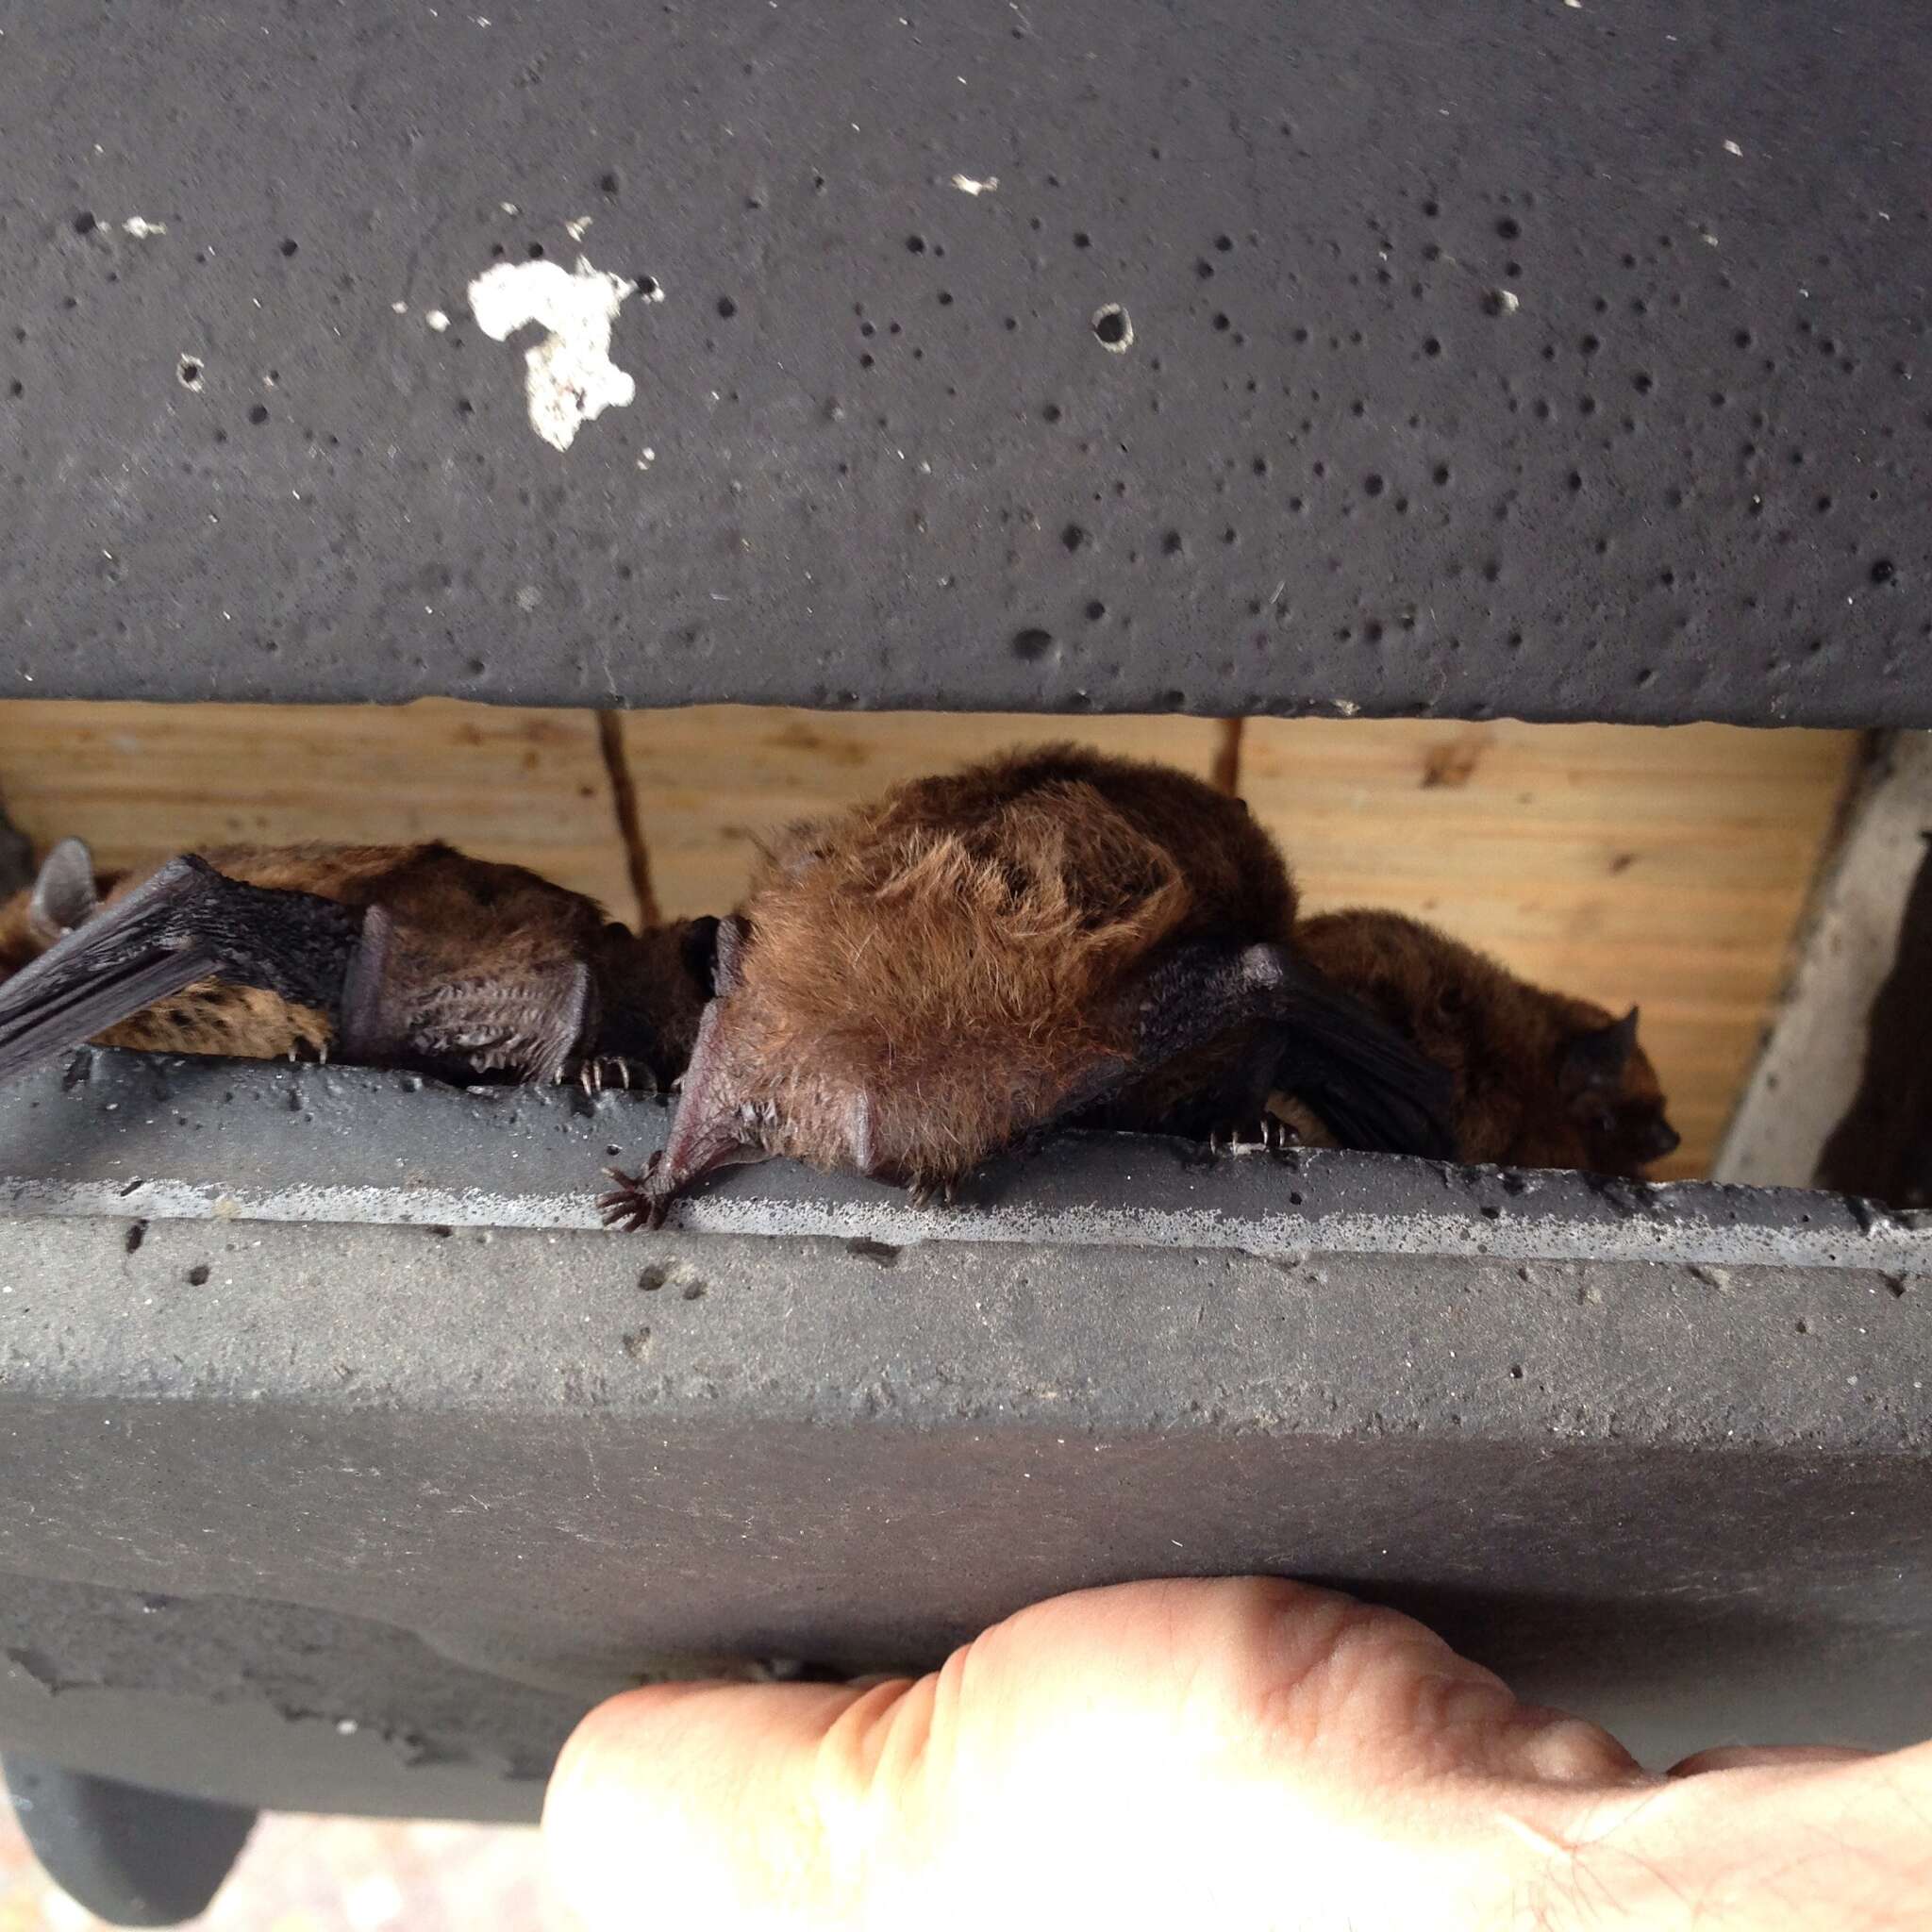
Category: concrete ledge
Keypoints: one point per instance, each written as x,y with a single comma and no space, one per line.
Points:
492,1472
150,1135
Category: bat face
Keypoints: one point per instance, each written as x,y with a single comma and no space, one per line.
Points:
1613,1092
650,990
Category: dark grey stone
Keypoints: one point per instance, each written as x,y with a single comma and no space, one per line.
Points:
1551,360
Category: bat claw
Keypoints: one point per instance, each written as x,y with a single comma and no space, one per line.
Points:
634,1203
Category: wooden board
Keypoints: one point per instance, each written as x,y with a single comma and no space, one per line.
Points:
527,787
1664,868
711,779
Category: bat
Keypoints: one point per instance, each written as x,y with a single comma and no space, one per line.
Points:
1540,1079
414,956
969,960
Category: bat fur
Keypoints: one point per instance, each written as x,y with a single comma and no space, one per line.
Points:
939,975
1542,1079
448,964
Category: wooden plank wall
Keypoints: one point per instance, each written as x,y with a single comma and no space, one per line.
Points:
1664,868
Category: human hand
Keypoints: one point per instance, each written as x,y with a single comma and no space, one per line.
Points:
1244,1753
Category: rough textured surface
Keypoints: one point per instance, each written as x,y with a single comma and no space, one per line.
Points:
1557,360
417,1498
154,1135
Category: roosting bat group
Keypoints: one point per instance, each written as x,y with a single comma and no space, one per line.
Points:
1052,938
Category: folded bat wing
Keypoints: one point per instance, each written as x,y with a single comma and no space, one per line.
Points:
1373,1089
186,922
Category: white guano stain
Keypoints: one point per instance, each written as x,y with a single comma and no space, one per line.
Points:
568,376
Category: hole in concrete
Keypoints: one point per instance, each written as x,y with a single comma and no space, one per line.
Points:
1113,327
189,370
1032,643
197,1276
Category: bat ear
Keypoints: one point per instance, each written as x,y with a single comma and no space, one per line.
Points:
699,951
64,894
1594,1059
733,937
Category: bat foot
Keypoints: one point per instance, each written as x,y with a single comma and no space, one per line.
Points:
639,1201
612,1070
1241,1136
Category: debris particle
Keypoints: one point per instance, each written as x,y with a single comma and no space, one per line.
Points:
967,185
575,229
1507,302
568,376
436,320
1731,147
509,208
399,307
140,228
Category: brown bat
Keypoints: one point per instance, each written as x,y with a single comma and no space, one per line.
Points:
1542,1079
953,969
410,956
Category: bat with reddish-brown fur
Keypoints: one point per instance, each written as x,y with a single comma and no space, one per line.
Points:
946,972
1542,1079
414,956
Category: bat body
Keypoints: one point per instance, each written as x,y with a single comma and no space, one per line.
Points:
949,971
1542,1079
387,955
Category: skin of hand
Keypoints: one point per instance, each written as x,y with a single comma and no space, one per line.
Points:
1241,1753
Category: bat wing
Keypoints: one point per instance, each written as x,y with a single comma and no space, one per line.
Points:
187,922
403,1005
1370,1087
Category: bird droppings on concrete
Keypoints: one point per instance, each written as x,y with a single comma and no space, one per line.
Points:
568,376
